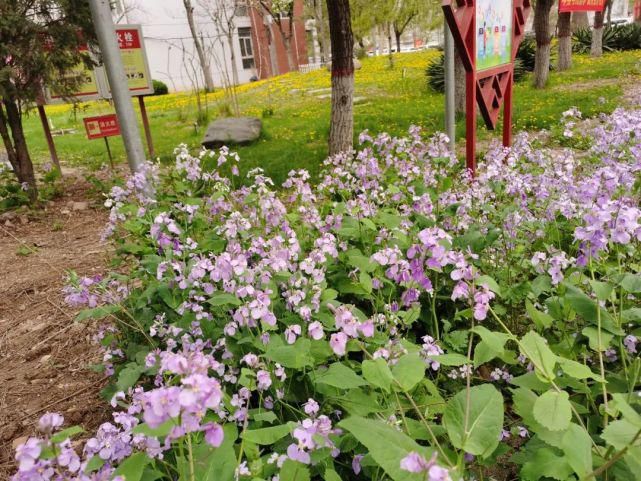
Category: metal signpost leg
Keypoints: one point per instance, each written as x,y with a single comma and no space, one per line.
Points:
103,23
111,159
470,121
145,124
450,102
49,137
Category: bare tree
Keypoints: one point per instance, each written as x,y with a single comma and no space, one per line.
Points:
564,27
223,13
123,9
200,49
543,42
341,130
320,26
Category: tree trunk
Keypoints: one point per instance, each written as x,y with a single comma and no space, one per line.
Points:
341,129
390,56
579,21
17,149
398,38
232,57
596,49
287,42
543,42
200,49
564,27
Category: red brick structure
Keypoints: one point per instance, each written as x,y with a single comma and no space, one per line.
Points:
267,41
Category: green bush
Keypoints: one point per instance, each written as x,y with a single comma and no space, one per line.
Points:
160,87
619,37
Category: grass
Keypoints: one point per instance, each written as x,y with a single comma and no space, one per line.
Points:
296,121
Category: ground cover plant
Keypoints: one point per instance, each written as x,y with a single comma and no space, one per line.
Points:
399,320
295,110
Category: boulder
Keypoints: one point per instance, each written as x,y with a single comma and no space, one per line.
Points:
232,130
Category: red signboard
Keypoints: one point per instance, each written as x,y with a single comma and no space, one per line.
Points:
102,126
581,5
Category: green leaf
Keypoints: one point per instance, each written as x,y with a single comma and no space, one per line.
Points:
553,411
223,299
620,403
491,346
592,334
535,348
294,471
577,447
94,464
331,475
576,369
132,467
167,295
340,376
159,432
97,312
451,359
602,290
386,445
588,309
620,434
66,434
359,403
546,464
365,281
128,376
490,283
294,356
631,283
409,371
217,464
265,436
378,373
542,319
478,432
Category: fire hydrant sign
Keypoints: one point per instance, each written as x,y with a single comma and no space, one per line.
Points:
494,31
134,59
102,126
581,5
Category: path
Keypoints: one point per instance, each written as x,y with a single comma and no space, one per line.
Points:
45,356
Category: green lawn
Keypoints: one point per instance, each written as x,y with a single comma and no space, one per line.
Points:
296,121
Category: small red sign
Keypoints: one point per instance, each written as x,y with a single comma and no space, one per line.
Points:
102,126
128,38
581,5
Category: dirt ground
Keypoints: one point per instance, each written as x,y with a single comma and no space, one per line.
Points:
45,357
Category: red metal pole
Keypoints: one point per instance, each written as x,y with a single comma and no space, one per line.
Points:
49,137
470,100
145,124
507,111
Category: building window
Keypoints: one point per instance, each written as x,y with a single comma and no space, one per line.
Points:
246,53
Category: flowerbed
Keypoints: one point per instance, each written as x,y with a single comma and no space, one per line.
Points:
397,321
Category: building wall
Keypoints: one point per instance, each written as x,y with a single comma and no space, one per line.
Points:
268,40
172,55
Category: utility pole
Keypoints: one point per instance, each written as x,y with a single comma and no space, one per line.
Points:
450,80
105,31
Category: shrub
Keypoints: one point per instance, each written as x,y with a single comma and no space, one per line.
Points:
618,37
160,87
400,320
435,73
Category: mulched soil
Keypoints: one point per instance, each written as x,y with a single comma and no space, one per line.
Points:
45,357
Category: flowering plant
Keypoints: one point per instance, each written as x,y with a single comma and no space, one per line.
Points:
398,320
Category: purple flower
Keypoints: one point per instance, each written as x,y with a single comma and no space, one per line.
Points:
296,454
264,380
315,330
27,454
356,463
414,463
338,343
50,422
311,407
214,434
630,343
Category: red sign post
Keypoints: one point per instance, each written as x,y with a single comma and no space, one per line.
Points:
487,34
103,127
581,5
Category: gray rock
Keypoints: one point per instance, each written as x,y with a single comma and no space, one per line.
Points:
357,65
79,206
232,130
